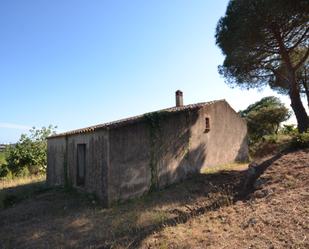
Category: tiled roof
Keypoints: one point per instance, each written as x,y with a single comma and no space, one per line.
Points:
134,119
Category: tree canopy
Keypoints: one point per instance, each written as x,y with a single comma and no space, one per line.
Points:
265,42
281,85
264,117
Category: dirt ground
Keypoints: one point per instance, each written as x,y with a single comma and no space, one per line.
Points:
208,211
276,214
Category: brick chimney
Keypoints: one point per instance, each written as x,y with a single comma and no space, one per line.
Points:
179,98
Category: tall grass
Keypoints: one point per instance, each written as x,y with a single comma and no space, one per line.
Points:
19,188
18,181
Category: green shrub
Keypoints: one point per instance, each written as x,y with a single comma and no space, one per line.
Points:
289,130
273,138
4,171
269,144
300,140
2,157
24,172
29,154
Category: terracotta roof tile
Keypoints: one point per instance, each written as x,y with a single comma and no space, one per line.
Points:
133,119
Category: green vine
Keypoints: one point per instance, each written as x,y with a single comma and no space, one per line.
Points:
154,121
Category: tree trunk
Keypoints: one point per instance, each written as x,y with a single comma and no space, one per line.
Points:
297,105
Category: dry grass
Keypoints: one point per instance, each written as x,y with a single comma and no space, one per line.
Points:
18,181
225,167
275,216
198,213
60,219
17,189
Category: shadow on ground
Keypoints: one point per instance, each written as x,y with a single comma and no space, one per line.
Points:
12,195
61,219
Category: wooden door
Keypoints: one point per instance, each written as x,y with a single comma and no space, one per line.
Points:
81,164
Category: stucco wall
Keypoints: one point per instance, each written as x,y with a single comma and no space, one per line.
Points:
173,147
129,172
96,161
56,149
97,146
145,155
226,141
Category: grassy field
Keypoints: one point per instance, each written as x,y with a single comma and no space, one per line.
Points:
15,190
206,211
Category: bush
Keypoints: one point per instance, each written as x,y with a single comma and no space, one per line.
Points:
273,138
300,140
29,155
288,130
269,144
4,171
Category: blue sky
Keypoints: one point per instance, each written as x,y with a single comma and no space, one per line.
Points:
77,63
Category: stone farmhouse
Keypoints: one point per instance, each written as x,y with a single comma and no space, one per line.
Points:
129,157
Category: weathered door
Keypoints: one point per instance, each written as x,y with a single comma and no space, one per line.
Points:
81,164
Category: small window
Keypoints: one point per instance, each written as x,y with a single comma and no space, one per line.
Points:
207,125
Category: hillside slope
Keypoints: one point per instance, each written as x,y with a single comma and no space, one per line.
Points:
275,215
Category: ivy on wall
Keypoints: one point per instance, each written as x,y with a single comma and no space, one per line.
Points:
154,121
